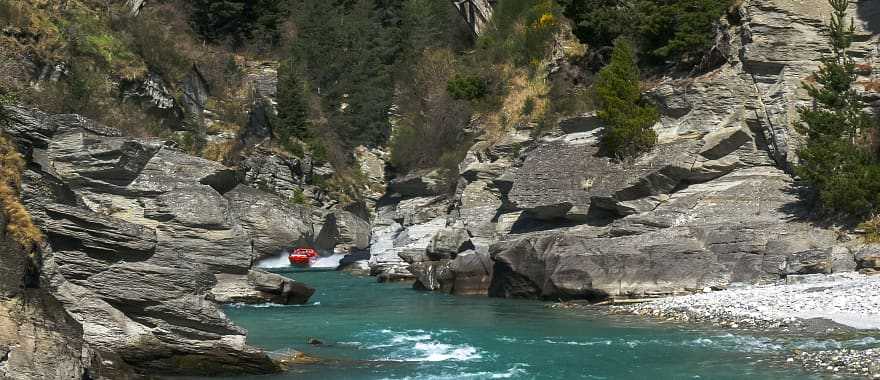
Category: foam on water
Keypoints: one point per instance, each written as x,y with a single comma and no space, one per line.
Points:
517,371
281,261
422,346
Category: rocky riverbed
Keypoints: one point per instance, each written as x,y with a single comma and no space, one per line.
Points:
834,306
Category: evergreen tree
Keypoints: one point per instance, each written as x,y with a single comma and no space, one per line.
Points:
293,113
354,82
835,160
238,20
628,124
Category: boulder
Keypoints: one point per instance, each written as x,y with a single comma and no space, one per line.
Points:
448,242
387,242
686,243
472,273
817,261
422,184
868,257
357,263
343,230
282,289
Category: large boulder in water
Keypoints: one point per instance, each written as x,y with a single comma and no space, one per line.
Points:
259,286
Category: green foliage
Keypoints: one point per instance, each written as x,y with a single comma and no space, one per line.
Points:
91,36
462,87
521,31
292,123
628,123
354,83
238,21
299,197
835,160
430,122
671,30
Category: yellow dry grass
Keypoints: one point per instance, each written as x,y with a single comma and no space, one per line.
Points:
19,225
218,151
522,89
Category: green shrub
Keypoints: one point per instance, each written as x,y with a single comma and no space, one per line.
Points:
463,87
628,123
673,30
299,197
521,31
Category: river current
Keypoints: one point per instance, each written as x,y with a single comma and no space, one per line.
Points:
390,331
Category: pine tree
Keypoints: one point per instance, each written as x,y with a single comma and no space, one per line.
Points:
292,121
628,124
835,159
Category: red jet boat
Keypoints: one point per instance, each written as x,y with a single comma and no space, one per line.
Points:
303,257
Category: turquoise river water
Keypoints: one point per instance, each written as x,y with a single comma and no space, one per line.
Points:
390,331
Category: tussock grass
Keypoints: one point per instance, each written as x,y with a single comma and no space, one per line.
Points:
19,225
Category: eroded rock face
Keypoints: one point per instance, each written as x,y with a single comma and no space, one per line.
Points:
711,204
144,241
38,338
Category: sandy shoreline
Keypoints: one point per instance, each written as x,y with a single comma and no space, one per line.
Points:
813,305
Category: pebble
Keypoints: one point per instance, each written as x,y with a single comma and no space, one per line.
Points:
787,308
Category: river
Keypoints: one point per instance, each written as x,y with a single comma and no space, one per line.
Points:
390,331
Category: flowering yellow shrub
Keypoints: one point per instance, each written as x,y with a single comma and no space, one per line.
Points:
546,20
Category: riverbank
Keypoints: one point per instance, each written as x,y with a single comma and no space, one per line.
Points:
826,307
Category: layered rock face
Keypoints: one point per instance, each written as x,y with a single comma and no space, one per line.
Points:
712,204
38,339
144,241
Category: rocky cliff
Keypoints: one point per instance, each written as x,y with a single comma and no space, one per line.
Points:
713,204
144,243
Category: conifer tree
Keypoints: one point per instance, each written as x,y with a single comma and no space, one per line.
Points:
293,113
836,160
628,123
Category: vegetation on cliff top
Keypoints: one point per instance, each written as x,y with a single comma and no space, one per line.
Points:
677,31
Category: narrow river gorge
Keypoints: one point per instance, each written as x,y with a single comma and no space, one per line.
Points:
390,331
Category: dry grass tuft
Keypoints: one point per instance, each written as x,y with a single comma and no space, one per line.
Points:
872,230
19,225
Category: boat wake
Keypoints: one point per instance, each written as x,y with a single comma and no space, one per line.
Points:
281,261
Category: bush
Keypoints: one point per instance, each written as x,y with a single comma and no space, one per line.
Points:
463,87
428,113
674,30
628,124
521,31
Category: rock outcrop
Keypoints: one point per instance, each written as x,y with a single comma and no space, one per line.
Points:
712,204
144,242
38,338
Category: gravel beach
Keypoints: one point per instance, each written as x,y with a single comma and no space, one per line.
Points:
807,305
